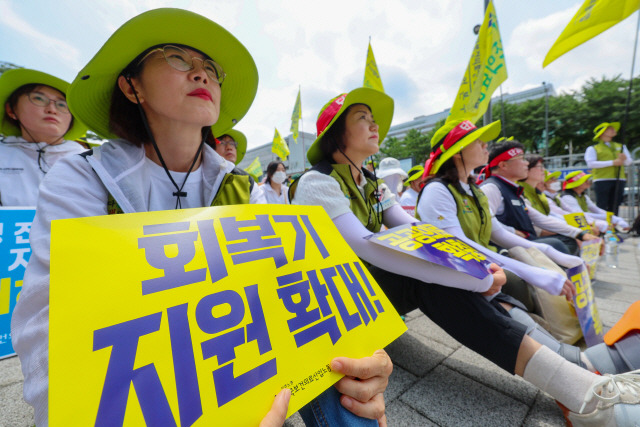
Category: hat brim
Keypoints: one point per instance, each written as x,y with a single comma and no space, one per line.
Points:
615,125
11,80
552,175
393,171
412,177
90,93
578,183
381,106
241,140
485,134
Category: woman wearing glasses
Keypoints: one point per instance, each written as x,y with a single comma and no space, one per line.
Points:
160,102
37,128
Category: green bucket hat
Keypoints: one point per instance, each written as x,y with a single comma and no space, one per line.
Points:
414,173
453,137
551,175
240,139
575,179
381,106
90,92
599,130
13,79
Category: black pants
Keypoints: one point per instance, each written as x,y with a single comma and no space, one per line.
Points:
605,194
482,326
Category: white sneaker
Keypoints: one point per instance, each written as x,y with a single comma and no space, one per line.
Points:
618,403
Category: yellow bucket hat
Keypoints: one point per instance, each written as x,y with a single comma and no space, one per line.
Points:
575,179
414,173
551,175
599,130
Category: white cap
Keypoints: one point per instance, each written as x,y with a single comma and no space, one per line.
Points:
390,166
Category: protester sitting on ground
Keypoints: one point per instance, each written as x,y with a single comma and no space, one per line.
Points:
359,205
607,160
574,197
392,174
39,130
414,184
274,189
536,199
551,188
163,100
506,167
451,201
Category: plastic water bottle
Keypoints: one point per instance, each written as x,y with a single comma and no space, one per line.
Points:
611,250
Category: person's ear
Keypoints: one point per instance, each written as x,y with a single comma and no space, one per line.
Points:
127,87
9,111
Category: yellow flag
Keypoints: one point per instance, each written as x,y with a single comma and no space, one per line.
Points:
593,17
486,71
296,115
371,74
255,168
279,146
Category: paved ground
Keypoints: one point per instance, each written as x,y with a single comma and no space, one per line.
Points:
436,381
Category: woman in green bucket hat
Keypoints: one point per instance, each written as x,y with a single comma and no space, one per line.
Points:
162,84
350,128
38,130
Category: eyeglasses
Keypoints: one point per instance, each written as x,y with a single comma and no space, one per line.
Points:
180,60
41,100
228,143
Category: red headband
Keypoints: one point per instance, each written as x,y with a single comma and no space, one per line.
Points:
329,113
456,134
572,179
503,157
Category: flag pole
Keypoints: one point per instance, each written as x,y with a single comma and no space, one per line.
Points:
304,151
487,114
625,119
504,121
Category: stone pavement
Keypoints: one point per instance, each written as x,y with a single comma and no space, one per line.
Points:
435,381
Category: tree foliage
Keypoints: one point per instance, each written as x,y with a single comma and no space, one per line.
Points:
572,118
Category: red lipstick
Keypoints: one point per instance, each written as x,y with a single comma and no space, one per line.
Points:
202,93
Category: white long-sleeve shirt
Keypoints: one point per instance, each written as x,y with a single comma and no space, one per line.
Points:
594,211
591,158
540,220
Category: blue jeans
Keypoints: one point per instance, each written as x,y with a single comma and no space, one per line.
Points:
326,410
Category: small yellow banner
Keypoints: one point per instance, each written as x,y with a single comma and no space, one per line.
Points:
296,115
371,75
486,71
279,146
577,219
200,316
255,168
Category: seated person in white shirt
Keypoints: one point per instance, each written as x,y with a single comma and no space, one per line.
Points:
575,198
414,184
506,167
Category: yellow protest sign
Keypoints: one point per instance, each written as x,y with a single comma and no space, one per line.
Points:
577,219
590,253
200,316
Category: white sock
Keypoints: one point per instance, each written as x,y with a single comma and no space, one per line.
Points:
566,382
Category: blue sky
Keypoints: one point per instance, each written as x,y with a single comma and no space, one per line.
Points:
422,47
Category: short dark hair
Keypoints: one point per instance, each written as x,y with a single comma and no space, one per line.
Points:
333,139
272,168
24,90
533,159
496,149
124,116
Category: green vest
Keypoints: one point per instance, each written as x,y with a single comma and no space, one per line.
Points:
537,198
556,199
582,200
364,208
235,189
606,152
468,213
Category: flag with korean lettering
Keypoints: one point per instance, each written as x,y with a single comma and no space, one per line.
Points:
371,75
201,316
296,115
255,168
486,71
591,19
279,146
15,251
